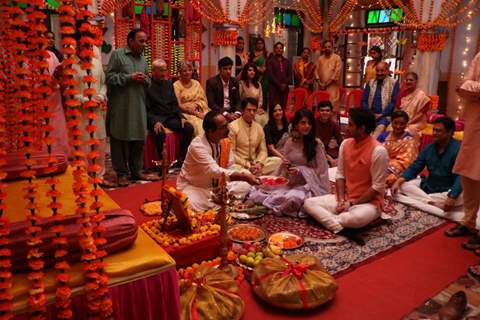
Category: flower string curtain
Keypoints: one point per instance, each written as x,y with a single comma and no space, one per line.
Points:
240,13
6,63
26,84
310,13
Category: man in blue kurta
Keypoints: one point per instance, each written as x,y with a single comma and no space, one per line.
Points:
441,190
126,113
380,96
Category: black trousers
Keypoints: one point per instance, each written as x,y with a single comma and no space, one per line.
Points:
186,134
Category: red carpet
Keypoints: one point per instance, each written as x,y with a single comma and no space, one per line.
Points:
133,196
387,288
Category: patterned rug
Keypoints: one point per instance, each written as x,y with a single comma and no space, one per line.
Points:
429,309
337,253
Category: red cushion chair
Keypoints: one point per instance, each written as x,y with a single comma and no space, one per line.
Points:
296,97
150,153
315,98
353,97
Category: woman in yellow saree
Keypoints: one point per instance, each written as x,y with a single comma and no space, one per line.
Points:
401,146
191,97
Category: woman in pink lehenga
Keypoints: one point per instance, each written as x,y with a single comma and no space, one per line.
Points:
57,120
305,166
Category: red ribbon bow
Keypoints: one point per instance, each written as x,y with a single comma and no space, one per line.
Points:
296,269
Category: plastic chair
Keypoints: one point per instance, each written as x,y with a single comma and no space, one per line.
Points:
314,99
298,95
355,97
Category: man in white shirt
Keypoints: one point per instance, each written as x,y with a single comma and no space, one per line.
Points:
360,181
209,157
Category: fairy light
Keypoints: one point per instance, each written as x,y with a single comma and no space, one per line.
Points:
468,40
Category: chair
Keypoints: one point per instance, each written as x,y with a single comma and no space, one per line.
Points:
354,96
298,95
150,153
314,99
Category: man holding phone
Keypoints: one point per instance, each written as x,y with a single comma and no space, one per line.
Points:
126,121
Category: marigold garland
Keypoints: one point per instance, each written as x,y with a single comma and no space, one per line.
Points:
43,89
431,41
80,186
99,302
201,224
225,38
6,295
26,109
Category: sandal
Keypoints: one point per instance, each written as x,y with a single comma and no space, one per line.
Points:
473,243
474,271
458,231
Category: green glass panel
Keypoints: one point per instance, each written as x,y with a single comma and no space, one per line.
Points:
373,16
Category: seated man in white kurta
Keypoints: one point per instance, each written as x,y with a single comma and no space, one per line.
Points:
360,180
207,159
248,142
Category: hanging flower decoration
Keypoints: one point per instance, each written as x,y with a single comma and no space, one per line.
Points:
109,6
6,295
101,303
24,71
431,41
253,12
225,38
80,186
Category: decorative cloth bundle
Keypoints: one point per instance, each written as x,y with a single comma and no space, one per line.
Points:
293,282
210,294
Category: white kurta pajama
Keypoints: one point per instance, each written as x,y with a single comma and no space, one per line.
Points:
199,171
412,195
323,208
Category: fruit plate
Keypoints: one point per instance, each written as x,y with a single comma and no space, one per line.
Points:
244,266
272,182
286,240
246,232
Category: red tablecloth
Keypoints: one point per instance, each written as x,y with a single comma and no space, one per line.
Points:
155,297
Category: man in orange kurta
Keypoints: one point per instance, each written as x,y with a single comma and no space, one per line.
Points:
360,180
467,164
328,70
304,71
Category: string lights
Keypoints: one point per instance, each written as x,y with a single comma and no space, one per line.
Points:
464,63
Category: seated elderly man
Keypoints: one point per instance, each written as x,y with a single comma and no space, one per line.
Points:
441,190
208,157
163,110
380,96
360,181
248,142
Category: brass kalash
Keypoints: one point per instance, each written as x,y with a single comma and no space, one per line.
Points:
222,197
167,201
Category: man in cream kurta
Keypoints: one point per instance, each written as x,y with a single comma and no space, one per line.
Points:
328,70
248,142
202,168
